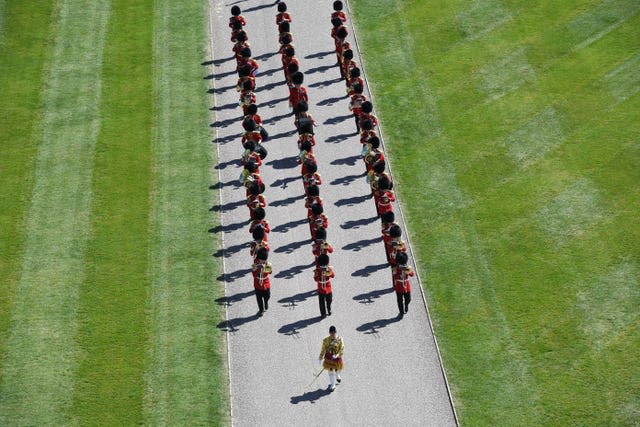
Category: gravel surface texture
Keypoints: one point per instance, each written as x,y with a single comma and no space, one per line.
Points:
393,374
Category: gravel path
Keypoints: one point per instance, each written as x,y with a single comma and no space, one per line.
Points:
393,374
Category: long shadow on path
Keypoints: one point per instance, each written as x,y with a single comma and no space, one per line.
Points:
293,329
369,297
310,396
375,326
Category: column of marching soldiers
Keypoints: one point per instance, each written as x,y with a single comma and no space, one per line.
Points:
254,152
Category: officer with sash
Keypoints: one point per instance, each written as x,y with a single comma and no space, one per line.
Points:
331,356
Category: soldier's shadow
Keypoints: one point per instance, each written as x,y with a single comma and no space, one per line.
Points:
310,396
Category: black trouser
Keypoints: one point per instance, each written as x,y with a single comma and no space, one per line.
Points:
263,299
325,303
404,298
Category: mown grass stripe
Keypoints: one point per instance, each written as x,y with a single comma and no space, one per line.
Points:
39,368
112,308
186,377
21,82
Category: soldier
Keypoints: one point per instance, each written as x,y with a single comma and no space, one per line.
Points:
250,154
367,113
310,175
388,221
297,93
374,154
247,97
236,27
302,116
252,114
249,176
366,132
401,283
244,75
255,201
306,133
320,245
337,12
357,98
331,357
251,131
317,219
236,17
355,78
289,58
259,221
261,269
306,151
241,42
323,275
396,245
259,242
283,15
348,64
312,197
246,59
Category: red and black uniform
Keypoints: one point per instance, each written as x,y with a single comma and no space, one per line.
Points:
261,270
256,245
283,17
340,15
386,238
317,221
297,94
321,247
310,178
402,286
323,275
240,86
253,203
260,223
238,18
383,199
247,97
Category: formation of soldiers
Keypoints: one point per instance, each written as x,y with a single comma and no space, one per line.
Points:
252,156
366,123
311,179
378,178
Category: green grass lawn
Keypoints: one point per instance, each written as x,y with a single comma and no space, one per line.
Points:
107,303
520,120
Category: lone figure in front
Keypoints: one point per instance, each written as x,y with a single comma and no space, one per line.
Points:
331,356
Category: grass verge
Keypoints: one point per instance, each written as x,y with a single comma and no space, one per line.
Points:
515,118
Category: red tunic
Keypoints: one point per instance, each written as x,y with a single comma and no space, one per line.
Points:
339,14
237,18
283,17
401,282
323,276
261,271
321,247
297,94
260,223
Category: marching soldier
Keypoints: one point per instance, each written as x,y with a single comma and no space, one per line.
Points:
246,59
323,275
331,356
401,283
255,201
261,269
247,97
259,221
236,17
374,154
388,221
259,242
357,98
317,219
283,15
320,245
241,42
297,93
310,175
337,12
396,245
355,79
244,75
367,113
